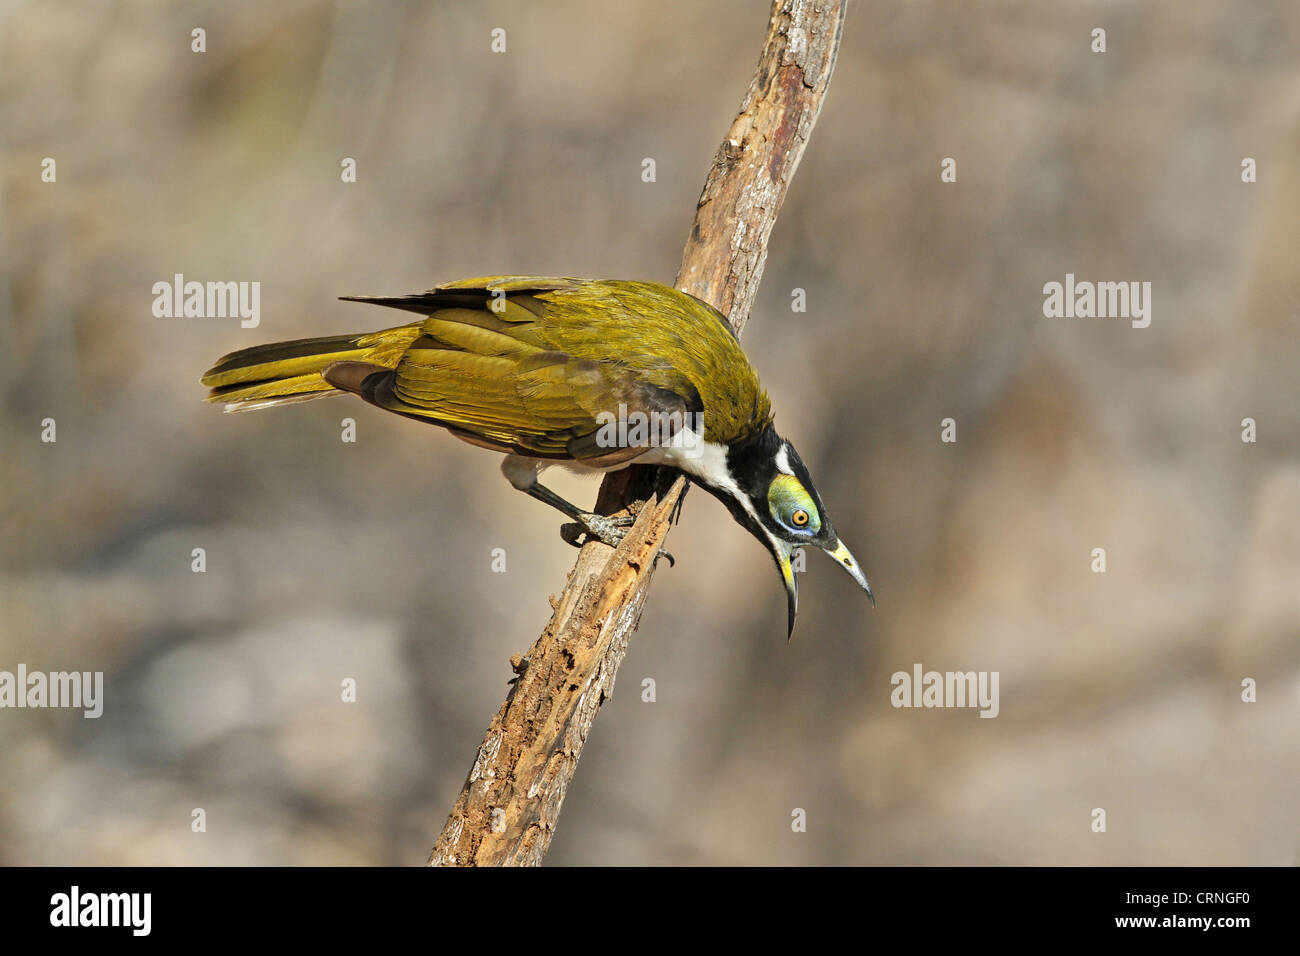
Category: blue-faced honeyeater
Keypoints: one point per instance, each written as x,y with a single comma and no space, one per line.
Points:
591,374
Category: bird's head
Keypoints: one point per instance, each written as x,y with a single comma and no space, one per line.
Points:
767,489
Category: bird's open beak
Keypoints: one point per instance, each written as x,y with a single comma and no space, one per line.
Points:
782,553
849,563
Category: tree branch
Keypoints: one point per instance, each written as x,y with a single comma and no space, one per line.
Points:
510,804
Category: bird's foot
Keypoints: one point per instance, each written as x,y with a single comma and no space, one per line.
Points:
594,527
610,531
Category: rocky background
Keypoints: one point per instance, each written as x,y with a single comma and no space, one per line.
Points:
372,560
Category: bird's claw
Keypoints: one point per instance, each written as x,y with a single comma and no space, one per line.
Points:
610,531
593,527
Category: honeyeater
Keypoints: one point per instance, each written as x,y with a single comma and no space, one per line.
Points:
592,374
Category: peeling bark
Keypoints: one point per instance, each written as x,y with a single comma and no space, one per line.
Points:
758,157
511,801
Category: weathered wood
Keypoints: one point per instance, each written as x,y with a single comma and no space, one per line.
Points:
727,247
511,801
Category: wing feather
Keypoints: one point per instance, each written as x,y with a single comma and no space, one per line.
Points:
503,362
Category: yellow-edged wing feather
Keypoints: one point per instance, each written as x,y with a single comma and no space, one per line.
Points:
524,364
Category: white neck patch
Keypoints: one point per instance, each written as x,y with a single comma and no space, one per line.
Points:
703,460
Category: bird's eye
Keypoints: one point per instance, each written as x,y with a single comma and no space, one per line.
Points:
791,506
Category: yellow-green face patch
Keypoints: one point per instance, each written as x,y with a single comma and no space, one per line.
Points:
792,507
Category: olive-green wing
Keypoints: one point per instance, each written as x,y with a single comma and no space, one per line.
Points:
485,366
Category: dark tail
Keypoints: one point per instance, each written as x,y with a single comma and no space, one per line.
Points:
285,372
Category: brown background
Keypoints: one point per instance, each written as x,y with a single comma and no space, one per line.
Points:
372,560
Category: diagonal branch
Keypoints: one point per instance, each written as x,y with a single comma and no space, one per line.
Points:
511,801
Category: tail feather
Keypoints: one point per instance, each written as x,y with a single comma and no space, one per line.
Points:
283,373
265,394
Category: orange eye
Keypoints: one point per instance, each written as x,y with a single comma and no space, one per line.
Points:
800,518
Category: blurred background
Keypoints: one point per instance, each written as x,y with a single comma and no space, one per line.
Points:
372,561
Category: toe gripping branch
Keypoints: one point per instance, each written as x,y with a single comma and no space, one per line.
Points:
628,491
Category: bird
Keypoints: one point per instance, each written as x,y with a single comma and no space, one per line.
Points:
591,374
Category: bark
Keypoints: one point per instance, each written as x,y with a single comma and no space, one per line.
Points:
511,801
759,155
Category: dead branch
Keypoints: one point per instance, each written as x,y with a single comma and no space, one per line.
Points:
510,804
